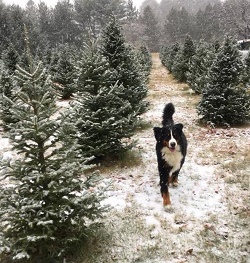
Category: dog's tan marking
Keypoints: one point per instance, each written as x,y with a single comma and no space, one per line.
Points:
166,199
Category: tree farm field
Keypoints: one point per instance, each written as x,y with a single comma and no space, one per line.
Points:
210,216
209,220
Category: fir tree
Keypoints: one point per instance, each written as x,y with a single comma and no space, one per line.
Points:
64,75
246,72
151,29
49,206
199,66
122,60
145,60
223,101
181,62
168,54
103,117
10,58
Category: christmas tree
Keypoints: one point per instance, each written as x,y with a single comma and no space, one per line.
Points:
51,203
145,60
122,60
246,72
64,73
7,96
104,118
199,66
168,54
224,101
181,62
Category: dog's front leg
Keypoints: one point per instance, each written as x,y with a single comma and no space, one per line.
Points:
164,174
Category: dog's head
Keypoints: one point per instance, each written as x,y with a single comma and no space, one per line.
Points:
169,136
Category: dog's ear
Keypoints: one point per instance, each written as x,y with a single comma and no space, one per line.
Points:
179,127
157,132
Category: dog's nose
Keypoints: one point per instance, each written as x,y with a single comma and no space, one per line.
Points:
172,144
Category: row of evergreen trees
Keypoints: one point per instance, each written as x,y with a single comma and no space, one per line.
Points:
218,73
50,198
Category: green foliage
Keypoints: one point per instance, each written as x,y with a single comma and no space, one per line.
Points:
168,54
223,101
199,66
151,31
104,118
7,95
246,71
145,60
64,71
122,60
51,203
177,24
182,58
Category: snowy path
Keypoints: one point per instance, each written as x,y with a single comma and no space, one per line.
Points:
198,192
199,207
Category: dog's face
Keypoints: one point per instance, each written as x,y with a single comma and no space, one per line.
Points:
169,137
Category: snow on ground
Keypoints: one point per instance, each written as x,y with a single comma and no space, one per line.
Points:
198,203
196,192
199,223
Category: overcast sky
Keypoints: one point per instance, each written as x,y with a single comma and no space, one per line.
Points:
22,3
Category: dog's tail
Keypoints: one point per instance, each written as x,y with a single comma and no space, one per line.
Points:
167,117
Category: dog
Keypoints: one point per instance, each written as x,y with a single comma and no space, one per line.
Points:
171,150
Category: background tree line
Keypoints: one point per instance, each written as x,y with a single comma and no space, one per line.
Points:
155,23
207,20
218,73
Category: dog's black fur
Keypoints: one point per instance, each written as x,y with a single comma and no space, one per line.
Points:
171,149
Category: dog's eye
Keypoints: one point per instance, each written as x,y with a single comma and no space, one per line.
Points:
176,134
167,135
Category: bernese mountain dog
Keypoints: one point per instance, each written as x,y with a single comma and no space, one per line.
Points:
171,149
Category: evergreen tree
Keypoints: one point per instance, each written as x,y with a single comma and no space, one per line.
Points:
104,118
10,58
151,32
145,60
223,101
49,206
131,27
122,60
168,54
178,24
199,66
64,75
246,71
181,62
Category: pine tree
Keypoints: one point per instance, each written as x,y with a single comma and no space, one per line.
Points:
122,60
246,71
151,32
48,207
199,66
168,54
103,117
7,96
145,60
223,101
181,63
64,75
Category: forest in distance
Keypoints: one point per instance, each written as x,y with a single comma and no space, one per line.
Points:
154,24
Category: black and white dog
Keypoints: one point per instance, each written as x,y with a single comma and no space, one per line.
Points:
171,149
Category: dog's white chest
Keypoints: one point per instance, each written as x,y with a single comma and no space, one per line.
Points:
172,158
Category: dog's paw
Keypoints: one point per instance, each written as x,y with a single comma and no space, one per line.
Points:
175,184
168,208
